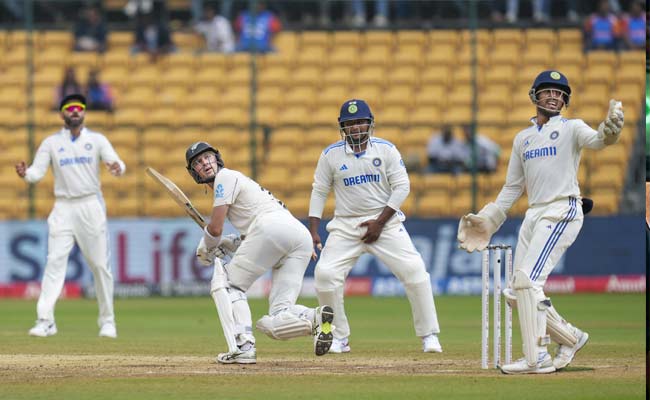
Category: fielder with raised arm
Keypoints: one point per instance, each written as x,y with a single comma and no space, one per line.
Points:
370,184
274,240
544,162
79,213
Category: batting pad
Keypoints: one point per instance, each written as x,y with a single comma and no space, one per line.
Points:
242,317
425,318
224,309
284,325
560,331
532,317
219,293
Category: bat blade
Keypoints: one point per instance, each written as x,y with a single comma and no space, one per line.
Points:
177,194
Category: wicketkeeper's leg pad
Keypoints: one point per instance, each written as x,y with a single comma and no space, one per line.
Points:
532,305
284,325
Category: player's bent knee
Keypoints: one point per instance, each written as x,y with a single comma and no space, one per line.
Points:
327,278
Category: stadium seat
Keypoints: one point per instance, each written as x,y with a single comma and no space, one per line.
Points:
537,37
446,36
306,75
377,55
433,205
398,95
431,95
300,95
538,55
337,75
346,38
441,54
599,73
311,39
502,37
630,73
408,54
403,76
312,56
344,56
424,116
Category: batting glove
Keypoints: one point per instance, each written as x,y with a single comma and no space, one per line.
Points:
206,255
228,245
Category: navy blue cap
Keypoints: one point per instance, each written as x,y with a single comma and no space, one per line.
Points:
552,78
355,109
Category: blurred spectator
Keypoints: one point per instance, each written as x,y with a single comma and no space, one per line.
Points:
198,8
70,85
359,13
134,8
602,29
487,152
90,31
152,35
446,153
216,31
633,27
15,8
98,95
256,32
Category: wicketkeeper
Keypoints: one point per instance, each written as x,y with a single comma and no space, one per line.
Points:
544,162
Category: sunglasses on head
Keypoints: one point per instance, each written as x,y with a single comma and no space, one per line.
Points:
72,107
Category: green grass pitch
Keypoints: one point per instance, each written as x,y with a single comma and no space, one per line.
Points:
166,349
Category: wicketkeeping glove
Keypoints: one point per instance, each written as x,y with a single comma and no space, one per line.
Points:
611,127
476,230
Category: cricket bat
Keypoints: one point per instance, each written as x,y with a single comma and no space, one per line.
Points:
179,197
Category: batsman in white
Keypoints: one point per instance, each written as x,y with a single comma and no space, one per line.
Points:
370,183
544,162
79,212
274,240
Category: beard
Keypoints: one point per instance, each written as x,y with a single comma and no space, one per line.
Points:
73,123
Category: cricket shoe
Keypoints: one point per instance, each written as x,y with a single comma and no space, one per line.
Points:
108,330
238,357
565,353
431,344
340,346
323,317
544,365
43,328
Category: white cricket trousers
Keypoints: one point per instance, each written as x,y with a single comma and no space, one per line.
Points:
276,241
82,220
545,234
395,249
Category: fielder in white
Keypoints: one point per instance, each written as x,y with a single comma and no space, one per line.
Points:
273,240
79,212
370,183
544,162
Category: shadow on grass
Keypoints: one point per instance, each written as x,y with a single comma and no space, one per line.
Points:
575,369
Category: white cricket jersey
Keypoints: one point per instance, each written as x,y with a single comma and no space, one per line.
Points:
75,162
245,198
364,184
545,161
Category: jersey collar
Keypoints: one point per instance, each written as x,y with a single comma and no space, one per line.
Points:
553,119
66,132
